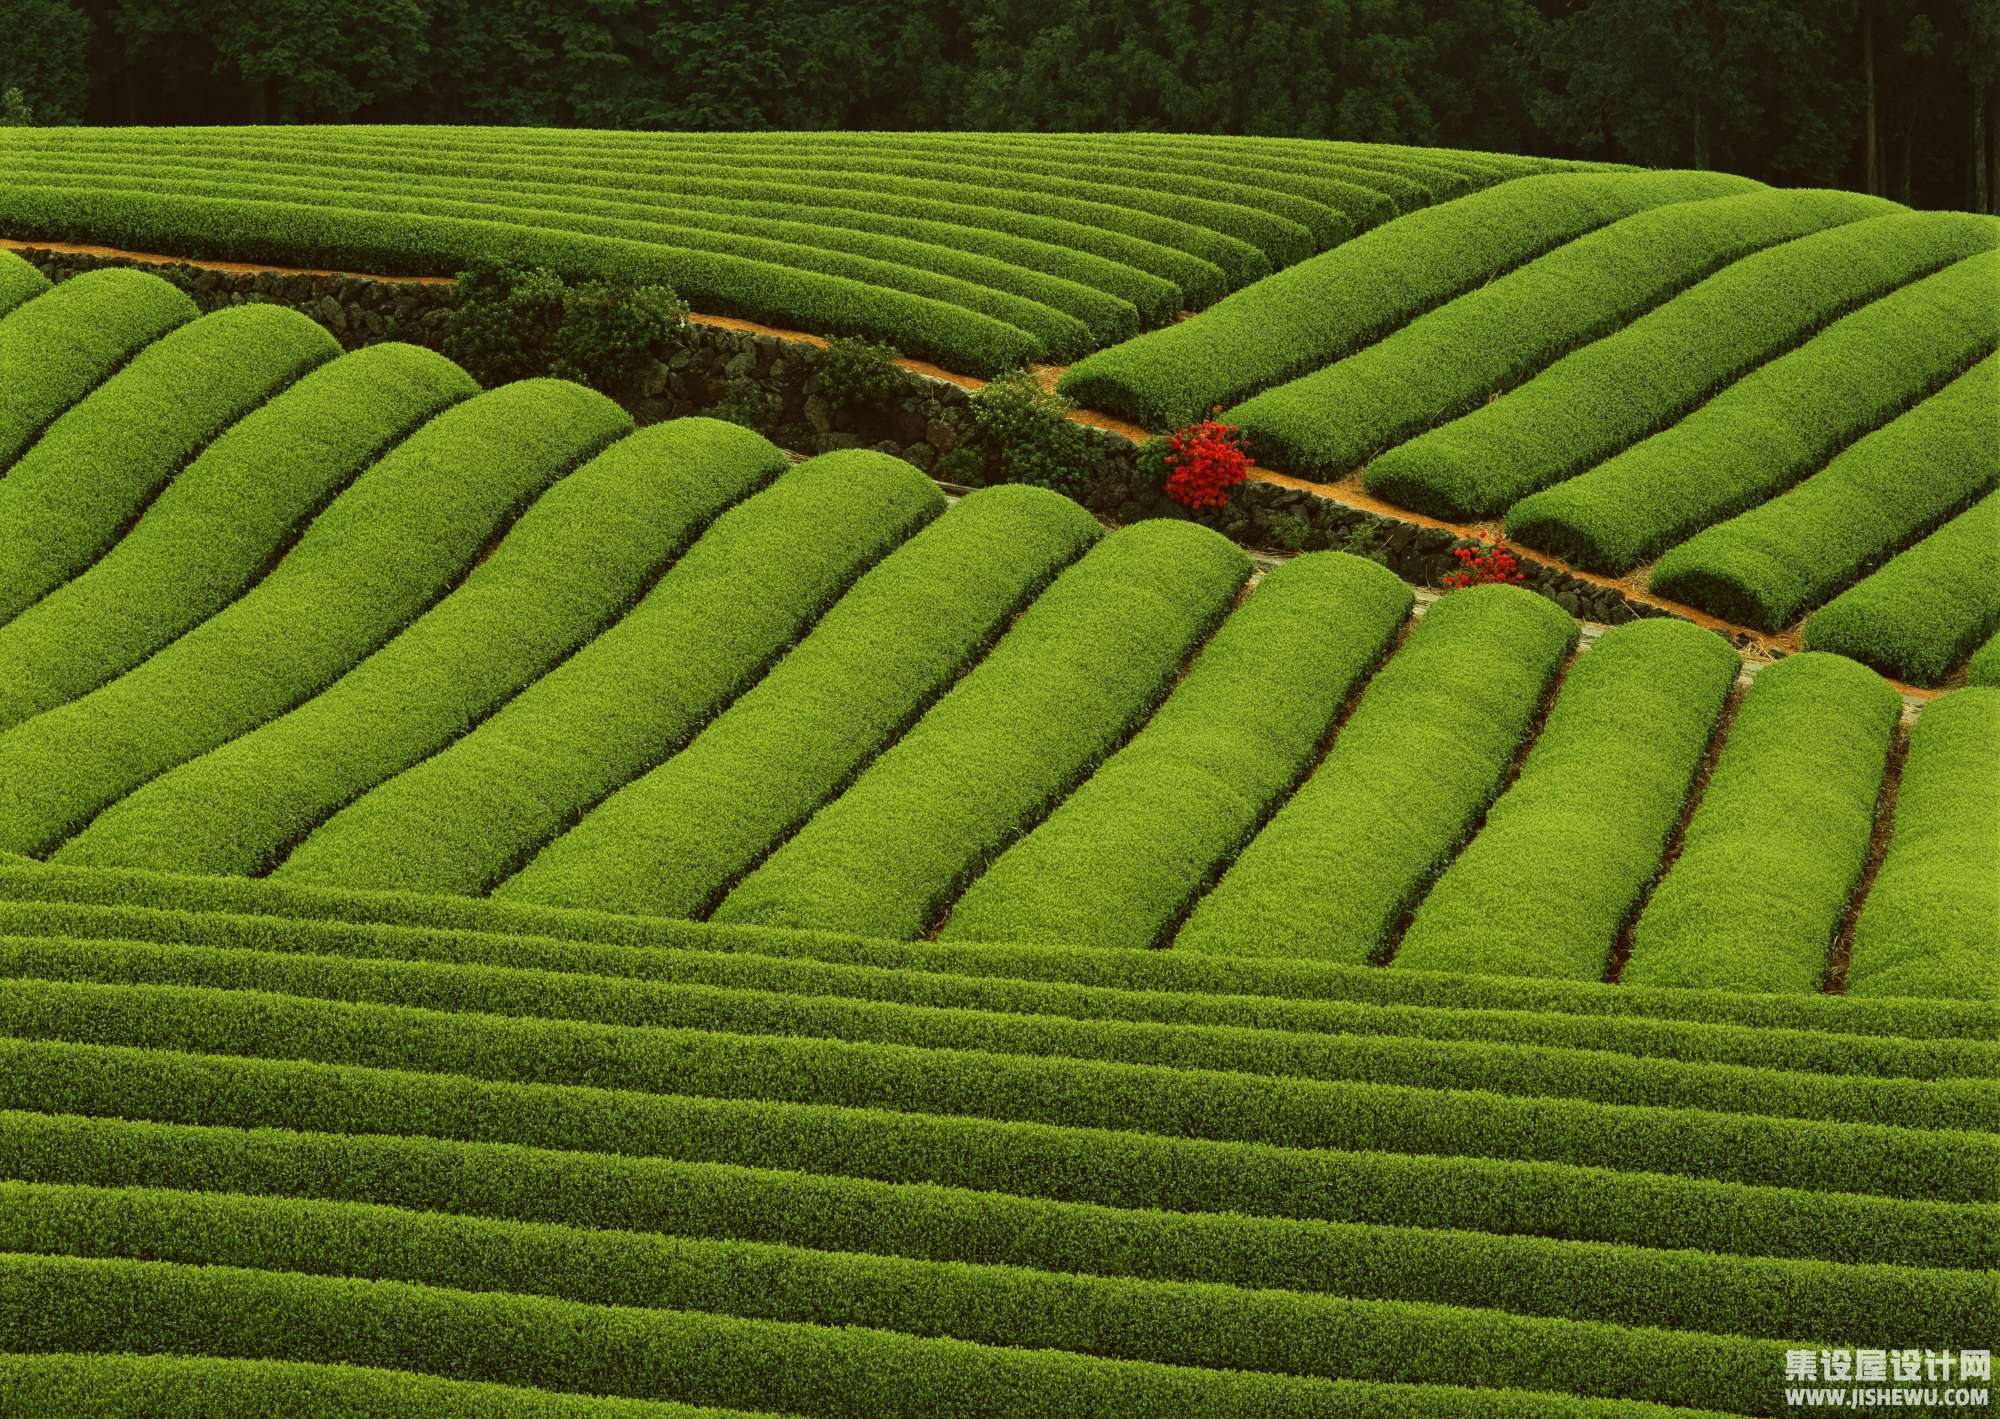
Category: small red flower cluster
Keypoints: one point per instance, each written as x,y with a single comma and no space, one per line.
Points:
1204,461
1485,563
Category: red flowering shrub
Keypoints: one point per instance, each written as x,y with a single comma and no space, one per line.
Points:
1204,461
1485,562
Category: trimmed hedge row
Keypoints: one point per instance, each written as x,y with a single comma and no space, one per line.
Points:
1765,567
96,467
1776,425
579,556
122,933
1567,851
1623,1285
1051,311
1444,363
200,1387
1408,775
1208,1327
123,902
618,1067
1775,849
65,1303
223,519
1312,314
19,281
1541,1069
1931,923
673,841
1616,391
475,812
717,282
1110,1167
1927,609
60,345
1984,667
1123,858
1064,687
385,549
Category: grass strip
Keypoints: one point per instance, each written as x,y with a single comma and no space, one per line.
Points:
1778,424
673,841
105,1386
1164,1323
476,811
98,466
1311,314
1121,860
1566,852
1931,923
1768,566
1683,1289
1775,849
582,553
57,346
1926,610
1607,396
54,899
624,1065
116,937
220,523
1409,773
1076,674
1515,1068
1110,1167
73,1303
394,541
1442,364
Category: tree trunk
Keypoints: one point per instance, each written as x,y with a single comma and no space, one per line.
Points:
1873,163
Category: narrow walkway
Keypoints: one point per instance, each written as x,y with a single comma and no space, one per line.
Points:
1760,644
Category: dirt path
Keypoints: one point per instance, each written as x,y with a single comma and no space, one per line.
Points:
1348,493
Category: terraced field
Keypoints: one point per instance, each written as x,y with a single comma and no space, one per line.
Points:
980,250
503,912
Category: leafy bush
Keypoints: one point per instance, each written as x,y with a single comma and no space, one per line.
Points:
1204,461
747,403
1288,531
1027,429
854,372
509,323
14,110
1484,560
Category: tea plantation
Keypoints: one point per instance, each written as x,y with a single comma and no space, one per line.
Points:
504,911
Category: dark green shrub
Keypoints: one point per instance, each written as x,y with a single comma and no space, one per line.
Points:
503,322
1287,531
608,332
746,402
1028,429
14,110
854,372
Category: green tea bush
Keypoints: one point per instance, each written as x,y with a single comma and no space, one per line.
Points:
1027,430
508,324
854,372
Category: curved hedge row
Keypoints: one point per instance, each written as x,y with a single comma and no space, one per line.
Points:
1686,1289
1775,849
475,812
583,552
1927,609
1547,1069
1444,363
1122,859
1559,866
222,519
1111,1166
19,281
96,468
58,346
1984,667
674,841
398,538
1931,923
1767,566
1618,390
1776,425
1065,686
1312,314
1408,775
